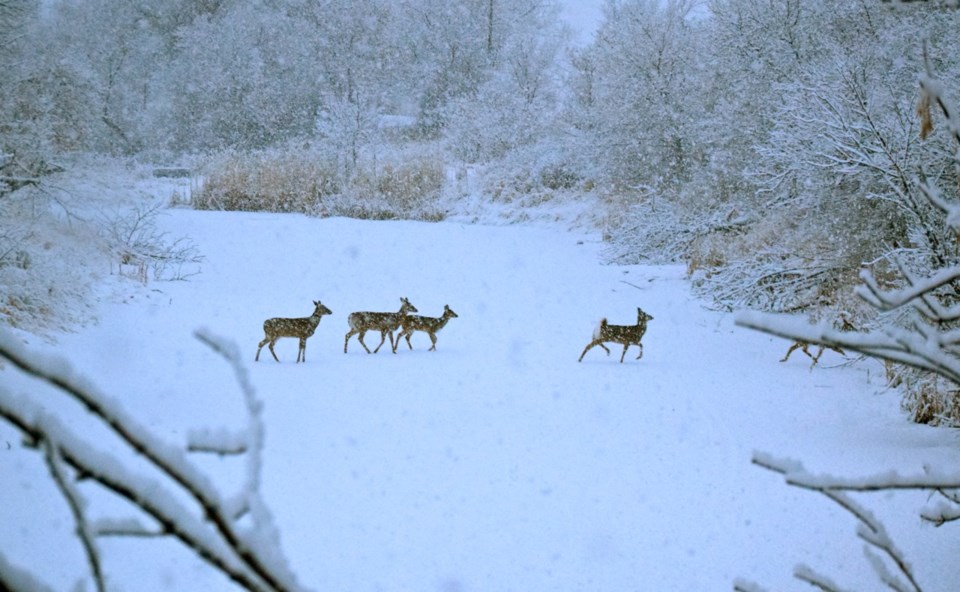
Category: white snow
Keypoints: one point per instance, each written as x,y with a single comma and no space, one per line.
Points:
497,462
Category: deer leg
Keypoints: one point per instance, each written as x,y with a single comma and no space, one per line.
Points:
625,347
383,338
794,347
640,355
360,339
401,335
433,340
272,342
408,335
302,352
589,346
262,343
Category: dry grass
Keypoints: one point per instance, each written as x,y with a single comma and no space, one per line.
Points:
291,180
927,398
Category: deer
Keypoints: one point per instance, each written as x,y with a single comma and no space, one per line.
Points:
626,334
843,323
303,328
430,325
384,322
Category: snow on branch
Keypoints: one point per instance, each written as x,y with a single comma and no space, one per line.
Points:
148,495
77,505
16,578
882,552
251,558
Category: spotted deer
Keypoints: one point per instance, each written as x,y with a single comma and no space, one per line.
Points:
430,325
384,322
626,334
303,328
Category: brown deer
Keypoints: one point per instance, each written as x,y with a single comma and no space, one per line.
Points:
843,323
430,325
302,328
385,322
626,334
804,347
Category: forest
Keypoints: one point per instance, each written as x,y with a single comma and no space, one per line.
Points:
779,149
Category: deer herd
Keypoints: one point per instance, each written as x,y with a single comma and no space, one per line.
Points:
386,323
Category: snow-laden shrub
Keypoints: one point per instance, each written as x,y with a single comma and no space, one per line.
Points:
408,188
133,240
48,265
927,398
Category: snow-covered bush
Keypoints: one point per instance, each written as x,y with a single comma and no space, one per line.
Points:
133,240
928,340
917,289
63,234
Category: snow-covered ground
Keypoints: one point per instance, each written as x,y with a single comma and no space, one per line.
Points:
497,462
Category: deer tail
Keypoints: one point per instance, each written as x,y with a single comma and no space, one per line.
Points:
600,328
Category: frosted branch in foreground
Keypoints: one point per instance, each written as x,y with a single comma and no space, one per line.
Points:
77,505
250,557
882,552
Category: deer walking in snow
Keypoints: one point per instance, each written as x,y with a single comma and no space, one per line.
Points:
843,323
303,328
384,322
626,334
430,325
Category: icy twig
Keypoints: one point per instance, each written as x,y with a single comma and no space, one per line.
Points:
15,578
51,455
165,459
807,574
149,496
870,529
250,500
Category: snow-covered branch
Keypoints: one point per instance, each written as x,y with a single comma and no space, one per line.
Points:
76,503
249,558
870,529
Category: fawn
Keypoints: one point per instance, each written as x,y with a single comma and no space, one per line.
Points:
302,328
626,334
804,347
843,323
430,325
385,322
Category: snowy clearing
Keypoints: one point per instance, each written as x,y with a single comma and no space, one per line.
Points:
496,462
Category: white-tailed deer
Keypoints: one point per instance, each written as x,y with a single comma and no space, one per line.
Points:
626,334
385,322
430,325
804,347
843,323
303,328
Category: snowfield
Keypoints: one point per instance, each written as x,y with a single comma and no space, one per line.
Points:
496,463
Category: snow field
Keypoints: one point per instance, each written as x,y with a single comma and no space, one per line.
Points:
497,462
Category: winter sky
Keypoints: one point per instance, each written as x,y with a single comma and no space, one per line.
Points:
583,16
